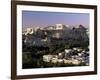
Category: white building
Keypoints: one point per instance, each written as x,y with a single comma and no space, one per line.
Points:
29,31
67,50
47,58
76,62
50,28
59,27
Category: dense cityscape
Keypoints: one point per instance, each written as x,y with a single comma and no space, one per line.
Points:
55,46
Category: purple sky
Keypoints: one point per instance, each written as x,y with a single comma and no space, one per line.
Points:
44,19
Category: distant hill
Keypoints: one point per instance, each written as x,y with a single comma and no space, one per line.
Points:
75,36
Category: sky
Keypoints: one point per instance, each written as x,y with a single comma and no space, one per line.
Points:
44,19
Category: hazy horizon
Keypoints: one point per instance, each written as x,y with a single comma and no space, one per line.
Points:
44,19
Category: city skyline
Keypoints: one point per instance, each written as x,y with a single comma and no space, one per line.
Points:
44,19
